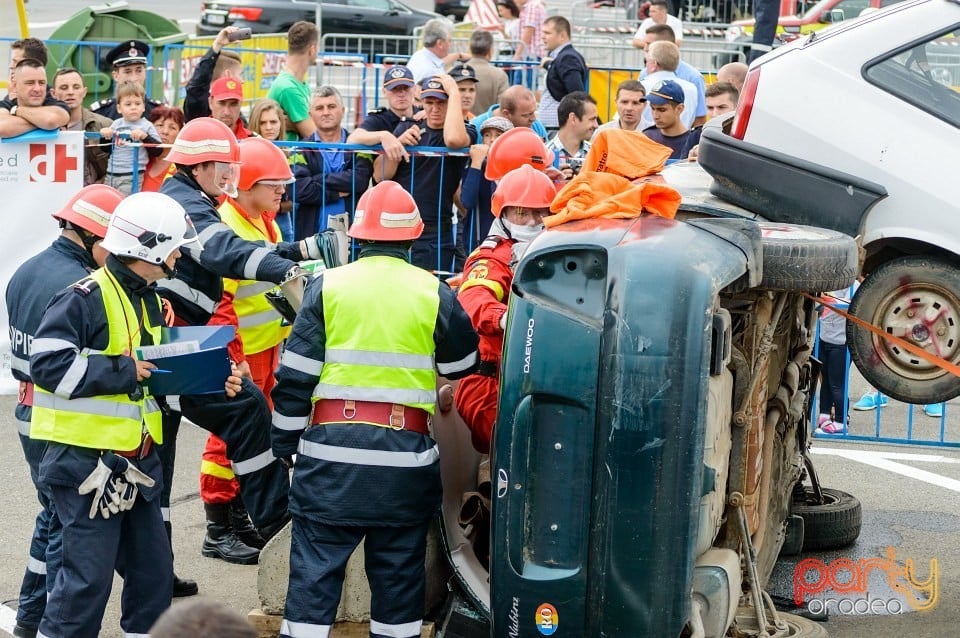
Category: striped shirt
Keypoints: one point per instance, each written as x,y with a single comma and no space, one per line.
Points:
532,15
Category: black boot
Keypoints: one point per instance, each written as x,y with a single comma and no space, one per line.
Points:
242,526
221,541
270,530
24,631
184,587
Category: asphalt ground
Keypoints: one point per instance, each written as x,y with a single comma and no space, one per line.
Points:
910,497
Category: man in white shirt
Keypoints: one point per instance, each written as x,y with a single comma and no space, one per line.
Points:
662,61
434,58
658,15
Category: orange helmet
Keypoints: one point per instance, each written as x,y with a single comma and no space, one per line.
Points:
261,161
204,139
525,187
90,208
386,212
513,149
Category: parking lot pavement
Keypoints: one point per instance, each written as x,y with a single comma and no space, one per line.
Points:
235,585
919,519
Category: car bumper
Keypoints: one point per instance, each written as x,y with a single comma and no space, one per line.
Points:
785,189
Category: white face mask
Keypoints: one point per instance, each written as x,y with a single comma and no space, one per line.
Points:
520,232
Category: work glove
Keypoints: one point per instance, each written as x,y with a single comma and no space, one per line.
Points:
127,485
106,500
323,246
114,485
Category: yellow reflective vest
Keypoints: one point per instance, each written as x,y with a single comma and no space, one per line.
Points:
261,327
106,422
386,357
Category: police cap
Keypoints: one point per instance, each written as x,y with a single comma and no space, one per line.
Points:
127,53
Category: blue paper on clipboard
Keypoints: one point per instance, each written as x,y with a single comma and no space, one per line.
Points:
202,370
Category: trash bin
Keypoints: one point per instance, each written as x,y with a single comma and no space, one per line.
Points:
83,41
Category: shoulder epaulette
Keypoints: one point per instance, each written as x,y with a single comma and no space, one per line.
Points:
85,286
376,111
102,104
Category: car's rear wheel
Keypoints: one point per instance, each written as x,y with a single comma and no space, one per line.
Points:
801,258
833,524
918,300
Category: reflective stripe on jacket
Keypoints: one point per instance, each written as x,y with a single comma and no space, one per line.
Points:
107,422
387,358
260,326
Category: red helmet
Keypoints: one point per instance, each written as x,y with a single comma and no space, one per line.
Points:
525,187
386,212
261,161
90,208
513,149
204,139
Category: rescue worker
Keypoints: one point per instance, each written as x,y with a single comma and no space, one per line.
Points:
264,173
100,423
206,155
355,392
520,203
71,257
128,63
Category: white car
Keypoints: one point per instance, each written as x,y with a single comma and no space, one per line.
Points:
857,128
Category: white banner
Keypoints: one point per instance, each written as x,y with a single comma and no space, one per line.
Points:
39,172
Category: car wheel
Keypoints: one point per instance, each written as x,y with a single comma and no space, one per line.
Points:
916,299
800,627
831,525
800,258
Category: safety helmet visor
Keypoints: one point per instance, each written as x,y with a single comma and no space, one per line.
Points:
274,182
226,176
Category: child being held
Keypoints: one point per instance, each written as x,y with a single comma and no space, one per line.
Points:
131,126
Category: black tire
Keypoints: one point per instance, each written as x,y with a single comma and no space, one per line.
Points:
833,525
800,258
928,287
801,627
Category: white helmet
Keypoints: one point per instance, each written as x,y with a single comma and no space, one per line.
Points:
149,226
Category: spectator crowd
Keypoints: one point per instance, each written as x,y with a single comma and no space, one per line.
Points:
464,157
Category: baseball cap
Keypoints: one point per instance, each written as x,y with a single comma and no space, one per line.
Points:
127,53
502,124
464,73
227,89
666,92
398,76
433,87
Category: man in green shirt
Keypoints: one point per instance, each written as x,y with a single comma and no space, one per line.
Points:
290,90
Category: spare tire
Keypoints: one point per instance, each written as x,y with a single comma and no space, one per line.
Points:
832,525
799,258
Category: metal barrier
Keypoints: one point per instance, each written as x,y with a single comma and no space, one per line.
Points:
444,219
892,421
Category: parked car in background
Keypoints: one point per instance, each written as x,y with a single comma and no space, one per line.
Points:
453,8
387,18
852,128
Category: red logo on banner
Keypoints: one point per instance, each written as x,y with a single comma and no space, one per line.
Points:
43,168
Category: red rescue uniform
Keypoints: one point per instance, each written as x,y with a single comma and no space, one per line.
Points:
484,294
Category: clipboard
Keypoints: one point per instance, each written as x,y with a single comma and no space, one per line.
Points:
204,370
